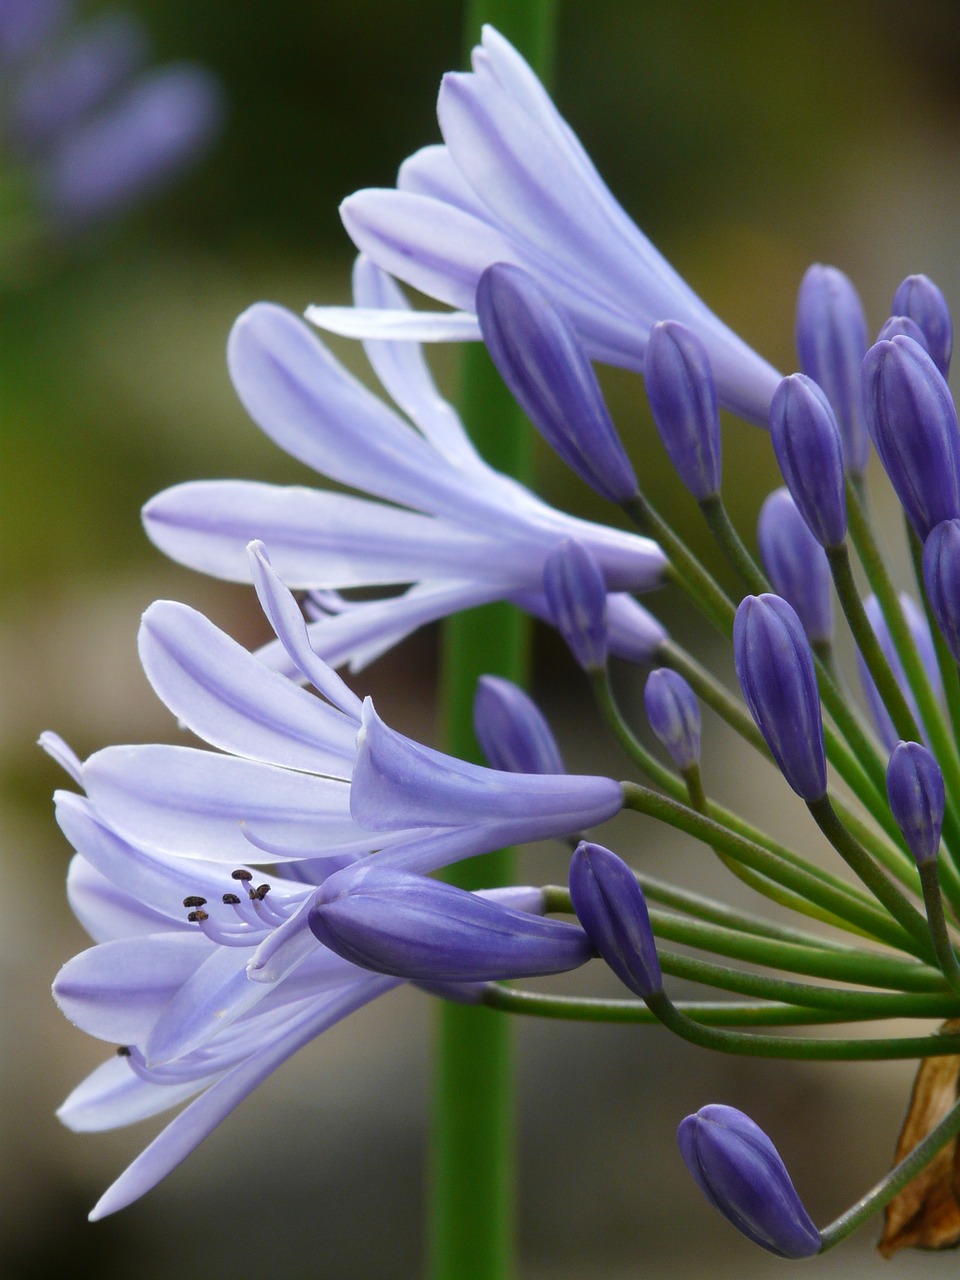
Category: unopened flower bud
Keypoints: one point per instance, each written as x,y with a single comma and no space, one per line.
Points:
512,730
904,327
577,596
776,673
920,633
613,911
917,798
633,632
413,927
910,415
683,398
806,440
831,342
674,715
796,564
941,577
740,1171
920,299
541,360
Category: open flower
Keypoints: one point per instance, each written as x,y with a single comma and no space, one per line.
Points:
513,184
438,517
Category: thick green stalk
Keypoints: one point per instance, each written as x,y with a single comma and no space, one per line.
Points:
472,1231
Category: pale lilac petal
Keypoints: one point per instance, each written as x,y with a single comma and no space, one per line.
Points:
400,783
403,373
315,538
182,801
222,693
305,401
66,758
113,1096
104,909
212,996
395,326
116,990
431,172
189,1129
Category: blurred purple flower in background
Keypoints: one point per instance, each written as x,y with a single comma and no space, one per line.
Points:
96,132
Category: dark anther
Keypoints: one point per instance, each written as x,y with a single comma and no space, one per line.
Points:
123,1051
260,892
240,874
194,901
195,917
231,899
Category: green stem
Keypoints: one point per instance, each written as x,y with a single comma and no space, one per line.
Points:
801,879
731,1013
732,546
472,1182
898,1177
863,866
736,1042
932,900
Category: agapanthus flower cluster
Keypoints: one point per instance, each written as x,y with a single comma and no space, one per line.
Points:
88,123
245,897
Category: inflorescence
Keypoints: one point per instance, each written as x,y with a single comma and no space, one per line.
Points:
351,816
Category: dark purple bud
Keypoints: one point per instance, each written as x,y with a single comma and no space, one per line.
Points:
674,715
413,927
806,440
775,668
740,1171
125,152
680,388
796,564
540,358
917,798
831,343
577,596
512,730
920,632
613,911
902,327
910,415
920,299
941,577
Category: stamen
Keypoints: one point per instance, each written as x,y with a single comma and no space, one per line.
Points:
197,917
123,1051
230,899
241,874
194,901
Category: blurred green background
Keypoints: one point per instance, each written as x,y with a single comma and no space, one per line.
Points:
747,140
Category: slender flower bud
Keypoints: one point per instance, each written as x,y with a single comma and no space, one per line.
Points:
904,327
633,632
577,597
740,1171
613,911
683,398
910,415
413,927
674,715
806,440
941,577
541,360
831,343
796,564
920,632
920,299
512,730
776,673
917,798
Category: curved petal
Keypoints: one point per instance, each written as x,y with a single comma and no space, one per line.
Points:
223,694
113,1096
189,1129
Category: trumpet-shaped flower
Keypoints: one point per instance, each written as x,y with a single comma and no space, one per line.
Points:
513,184
205,977
437,516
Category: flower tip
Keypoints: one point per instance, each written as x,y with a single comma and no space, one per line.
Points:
741,1173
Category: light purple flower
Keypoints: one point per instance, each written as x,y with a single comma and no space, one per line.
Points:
512,184
438,517
206,971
